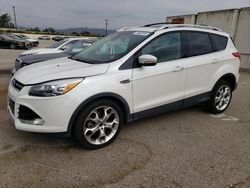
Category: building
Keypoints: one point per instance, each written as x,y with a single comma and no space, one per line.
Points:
236,22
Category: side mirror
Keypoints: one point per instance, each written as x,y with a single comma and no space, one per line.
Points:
147,60
63,48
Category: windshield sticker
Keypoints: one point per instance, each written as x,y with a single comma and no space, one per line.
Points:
141,33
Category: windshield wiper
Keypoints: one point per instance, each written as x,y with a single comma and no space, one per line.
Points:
76,59
83,60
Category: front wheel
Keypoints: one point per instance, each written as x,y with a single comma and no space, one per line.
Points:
28,46
98,124
12,46
220,98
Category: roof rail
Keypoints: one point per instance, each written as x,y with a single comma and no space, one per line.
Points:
166,25
188,25
159,23
125,28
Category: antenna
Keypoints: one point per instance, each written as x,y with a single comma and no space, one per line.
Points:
106,26
14,11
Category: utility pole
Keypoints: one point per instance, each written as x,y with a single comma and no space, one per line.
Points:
106,24
14,11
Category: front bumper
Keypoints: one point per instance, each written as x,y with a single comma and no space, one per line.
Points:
54,111
21,45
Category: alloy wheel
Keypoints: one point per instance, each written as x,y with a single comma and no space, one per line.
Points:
100,125
222,97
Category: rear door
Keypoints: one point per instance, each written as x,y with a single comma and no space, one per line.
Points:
202,62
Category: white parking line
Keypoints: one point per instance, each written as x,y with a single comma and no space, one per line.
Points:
224,117
218,115
230,118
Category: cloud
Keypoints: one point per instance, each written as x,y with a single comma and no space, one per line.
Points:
92,13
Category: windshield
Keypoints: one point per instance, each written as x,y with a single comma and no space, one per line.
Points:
111,47
57,44
79,46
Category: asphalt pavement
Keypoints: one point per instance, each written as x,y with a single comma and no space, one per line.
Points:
186,148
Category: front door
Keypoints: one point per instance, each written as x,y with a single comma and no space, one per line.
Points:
164,83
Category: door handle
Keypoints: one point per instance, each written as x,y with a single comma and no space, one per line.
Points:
125,81
178,69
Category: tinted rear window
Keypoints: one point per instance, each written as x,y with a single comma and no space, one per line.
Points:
220,42
198,43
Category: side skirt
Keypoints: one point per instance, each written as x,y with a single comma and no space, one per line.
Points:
171,106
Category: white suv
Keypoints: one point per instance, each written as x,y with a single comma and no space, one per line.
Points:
57,47
134,73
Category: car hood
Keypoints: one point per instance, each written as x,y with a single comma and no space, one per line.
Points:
29,59
61,68
20,40
41,51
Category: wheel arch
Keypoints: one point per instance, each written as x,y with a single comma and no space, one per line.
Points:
112,96
229,77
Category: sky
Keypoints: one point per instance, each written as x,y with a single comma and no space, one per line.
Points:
62,14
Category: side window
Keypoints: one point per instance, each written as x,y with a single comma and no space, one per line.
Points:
69,44
220,42
166,47
197,43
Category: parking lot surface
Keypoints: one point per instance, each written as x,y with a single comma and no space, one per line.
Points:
188,148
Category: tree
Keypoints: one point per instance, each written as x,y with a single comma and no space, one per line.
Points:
85,33
75,33
5,21
49,30
35,29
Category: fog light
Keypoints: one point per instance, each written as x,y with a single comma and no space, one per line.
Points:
33,122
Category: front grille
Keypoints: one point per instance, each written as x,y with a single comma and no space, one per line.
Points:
17,85
18,64
26,113
12,106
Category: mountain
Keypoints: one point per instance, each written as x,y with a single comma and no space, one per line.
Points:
86,29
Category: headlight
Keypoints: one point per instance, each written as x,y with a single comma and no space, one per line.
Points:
54,88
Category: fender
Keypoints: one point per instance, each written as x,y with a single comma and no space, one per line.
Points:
230,77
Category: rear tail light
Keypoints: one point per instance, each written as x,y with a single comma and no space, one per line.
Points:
236,54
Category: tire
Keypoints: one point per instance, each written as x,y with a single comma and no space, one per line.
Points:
28,46
12,46
93,130
220,98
